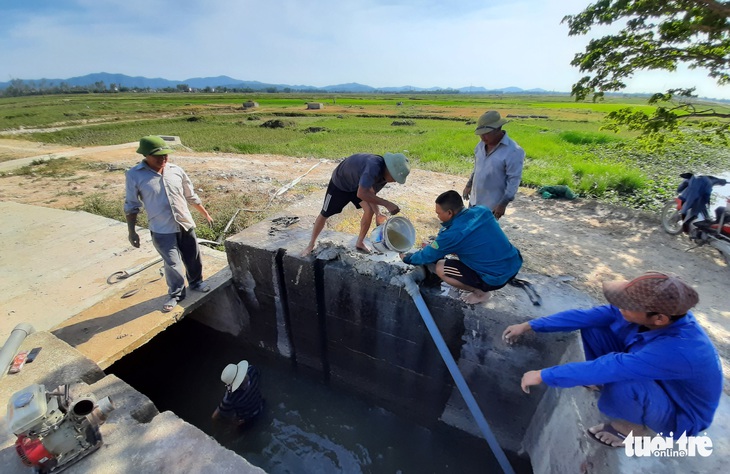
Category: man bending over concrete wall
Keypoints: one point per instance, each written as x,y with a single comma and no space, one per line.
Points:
358,179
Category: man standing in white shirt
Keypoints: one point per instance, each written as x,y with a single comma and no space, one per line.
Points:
165,191
498,163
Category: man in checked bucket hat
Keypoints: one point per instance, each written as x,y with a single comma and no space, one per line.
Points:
498,162
653,364
357,180
243,401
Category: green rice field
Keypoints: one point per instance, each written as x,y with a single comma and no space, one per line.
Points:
563,139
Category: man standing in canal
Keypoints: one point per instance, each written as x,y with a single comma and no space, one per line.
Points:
358,179
498,163
242,402
165,191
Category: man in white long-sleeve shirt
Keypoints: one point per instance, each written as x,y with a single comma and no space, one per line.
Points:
498,162
165,191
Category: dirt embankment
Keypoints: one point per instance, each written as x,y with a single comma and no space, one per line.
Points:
583,242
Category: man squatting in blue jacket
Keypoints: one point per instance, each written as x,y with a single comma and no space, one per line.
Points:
486,258
658,369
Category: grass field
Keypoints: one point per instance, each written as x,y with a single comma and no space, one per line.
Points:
562,138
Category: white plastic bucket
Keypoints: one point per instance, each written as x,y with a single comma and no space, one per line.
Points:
397,234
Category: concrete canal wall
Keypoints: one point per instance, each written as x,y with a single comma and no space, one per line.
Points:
346,317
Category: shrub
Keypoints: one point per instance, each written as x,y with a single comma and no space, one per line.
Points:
109,207
278,123
315,129
586,138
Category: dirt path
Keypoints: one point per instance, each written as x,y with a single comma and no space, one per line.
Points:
583,242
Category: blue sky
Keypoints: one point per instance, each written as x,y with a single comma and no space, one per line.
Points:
380,43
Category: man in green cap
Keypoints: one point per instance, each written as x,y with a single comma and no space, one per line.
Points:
357,179
165,191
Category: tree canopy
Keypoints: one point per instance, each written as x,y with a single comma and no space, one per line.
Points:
656,35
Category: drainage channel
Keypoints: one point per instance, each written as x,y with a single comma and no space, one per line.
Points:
306,426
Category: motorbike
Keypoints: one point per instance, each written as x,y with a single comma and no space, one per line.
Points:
689,212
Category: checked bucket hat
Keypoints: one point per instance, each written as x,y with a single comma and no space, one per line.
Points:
652,292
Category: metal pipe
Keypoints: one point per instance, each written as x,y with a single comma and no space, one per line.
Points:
411,285
10,348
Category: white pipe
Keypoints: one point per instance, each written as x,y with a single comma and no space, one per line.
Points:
10,348
411,278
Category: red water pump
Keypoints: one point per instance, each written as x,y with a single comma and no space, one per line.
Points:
56,429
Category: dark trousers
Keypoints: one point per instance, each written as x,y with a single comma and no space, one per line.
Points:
181,255
643,402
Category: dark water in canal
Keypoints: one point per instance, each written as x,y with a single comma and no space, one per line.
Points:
306,426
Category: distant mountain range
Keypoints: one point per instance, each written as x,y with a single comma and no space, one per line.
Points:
138,82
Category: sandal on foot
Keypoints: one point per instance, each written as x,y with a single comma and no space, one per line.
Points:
169,305
607,428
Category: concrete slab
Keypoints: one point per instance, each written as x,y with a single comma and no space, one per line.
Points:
54,269
57,363
556,440
114,327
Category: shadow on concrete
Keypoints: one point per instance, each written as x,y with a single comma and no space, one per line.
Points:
108,322
80,332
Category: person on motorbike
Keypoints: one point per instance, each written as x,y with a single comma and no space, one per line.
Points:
695,192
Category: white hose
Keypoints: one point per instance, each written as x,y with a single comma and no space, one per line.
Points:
16,338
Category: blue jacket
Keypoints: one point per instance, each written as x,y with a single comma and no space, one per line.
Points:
680,358
475,236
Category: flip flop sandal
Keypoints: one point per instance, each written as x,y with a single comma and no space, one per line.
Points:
169,305
607,428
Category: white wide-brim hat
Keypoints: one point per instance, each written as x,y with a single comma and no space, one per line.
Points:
234,374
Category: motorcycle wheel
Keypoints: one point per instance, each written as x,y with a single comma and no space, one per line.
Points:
671,218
